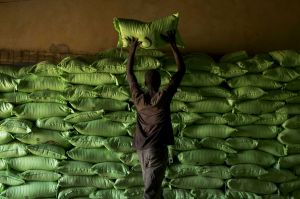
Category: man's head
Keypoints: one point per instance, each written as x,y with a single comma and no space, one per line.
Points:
152,80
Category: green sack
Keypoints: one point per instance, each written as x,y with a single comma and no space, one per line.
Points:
140,76
242,143
231,194
5,137
83,181
286,57
80,91
119,144
289,136
13,149
110,65
288,187
278,95
239,119
33,111
273,147
210,106
257,64
41,136
75,168
54,123
75,192
48,96
149,33
46,68
145,63
207,193
87,141
94,155
217,143
31,162
211,118
234,56
251,157
281,74
272,118
40,175
293,148
185,144
84,116
75,65
227,70
255,80
293,100
48,150
108,193
92,104
3,164
177,106
6,109
10,70
292,123
112,92
177,193
221,172
197,61
15,125
101,127
289,161
181,170
134,192
93,79
8,83
214,91
277,176
32,190
247,171
258,106
197,182
34,82
132,180
290,109
121,116
248,92
8,177
257,131
186,94
293,85
15,97
111,170
202,131
209,79
185,118
252,185
130,159
202,157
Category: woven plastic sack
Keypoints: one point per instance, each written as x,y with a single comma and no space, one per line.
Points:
8,177
121,116
111,65
73,192
48,96
15,125
217,143
211,118
289,161
177,193
257,131
46,68
178,106
209,79
101,127
293,85
258,106
54,123
3,164
214,91
113,92
87,141
131,180
188,95
241,194
288,187
234,56
289,136
278,95
108,193
248,92
227,70
47,150
181,170
207,193
92,104
202,157
256,64
31,162
13,149
286,57
281,74
83,181
278,175
34,82
40,175
5,137
149,33
252,185
197,62
273,147
75,168
251,157
202,131
290,109
197,182
93,79
272,118
94,155
75,65
111,170
247,171
185,144
80,91
256,80
218,171
242,143
10,70
130,159
119,144
84,116
292,123
239,119
35,111
32,190
5,109
15,97
210,106
7,83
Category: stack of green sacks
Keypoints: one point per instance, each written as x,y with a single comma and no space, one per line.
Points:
66,129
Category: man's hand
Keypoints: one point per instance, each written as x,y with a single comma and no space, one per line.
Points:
169,37
133,43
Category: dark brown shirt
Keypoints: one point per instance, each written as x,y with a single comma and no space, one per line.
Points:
153,127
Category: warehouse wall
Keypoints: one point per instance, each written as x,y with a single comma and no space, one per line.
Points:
214,26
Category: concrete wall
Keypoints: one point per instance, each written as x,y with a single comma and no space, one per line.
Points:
213,26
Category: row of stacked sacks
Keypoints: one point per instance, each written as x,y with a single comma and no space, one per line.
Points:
66,129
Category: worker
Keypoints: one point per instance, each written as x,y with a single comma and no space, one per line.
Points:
154,131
